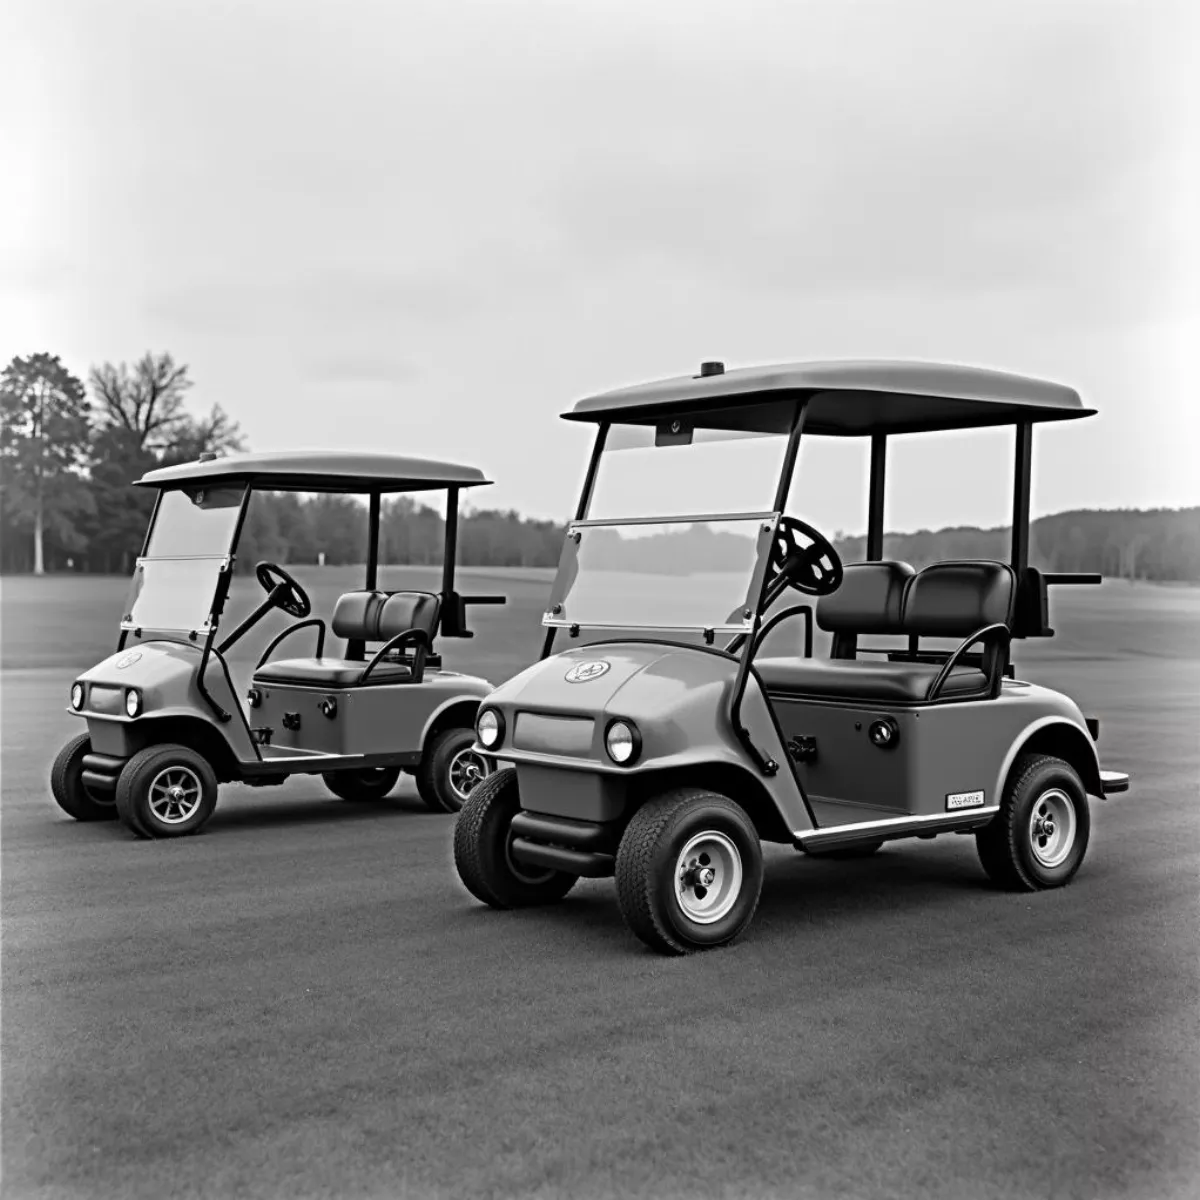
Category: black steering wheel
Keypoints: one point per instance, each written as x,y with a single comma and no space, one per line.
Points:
294,601
805,558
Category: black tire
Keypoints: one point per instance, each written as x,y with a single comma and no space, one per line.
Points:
481,838
366,783
69,790
650,855
144,802
444,778
1015,848
865,850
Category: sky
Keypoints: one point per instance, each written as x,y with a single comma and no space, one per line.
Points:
431,227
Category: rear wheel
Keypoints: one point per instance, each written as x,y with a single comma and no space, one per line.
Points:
1039,837
71,793
166,791
689,871
365,783
450,770
483,850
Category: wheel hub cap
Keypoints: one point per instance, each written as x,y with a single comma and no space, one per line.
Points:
708,877
467,769
175,795
1052,828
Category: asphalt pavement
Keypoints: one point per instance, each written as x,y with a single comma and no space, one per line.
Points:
302,1001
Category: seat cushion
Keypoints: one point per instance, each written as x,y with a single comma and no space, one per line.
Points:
356,615
954,599
862,679
869,600
329,672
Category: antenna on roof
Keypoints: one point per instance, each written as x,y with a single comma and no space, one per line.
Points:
711,368
206,456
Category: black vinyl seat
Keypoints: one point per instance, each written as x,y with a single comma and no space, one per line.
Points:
950,599
862,679
367,616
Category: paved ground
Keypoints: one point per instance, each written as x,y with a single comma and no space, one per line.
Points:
302,1002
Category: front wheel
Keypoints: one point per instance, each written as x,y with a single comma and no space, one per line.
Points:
166,791
71,793
483,850
450,770
689,871
1039,837
365,783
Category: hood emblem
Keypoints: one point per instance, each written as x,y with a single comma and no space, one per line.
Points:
583,671
127,660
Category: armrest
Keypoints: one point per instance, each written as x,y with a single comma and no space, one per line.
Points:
997,633
316,621
410,637
796,610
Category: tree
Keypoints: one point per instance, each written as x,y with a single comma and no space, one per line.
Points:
146,402
44,431
143,423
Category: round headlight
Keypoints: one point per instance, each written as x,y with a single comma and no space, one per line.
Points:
488,727
622,742
133,702
77,695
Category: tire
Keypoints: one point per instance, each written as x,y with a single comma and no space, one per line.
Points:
847,852
69,790
481,839
450,770
145,802
687,830
1018,849
366,783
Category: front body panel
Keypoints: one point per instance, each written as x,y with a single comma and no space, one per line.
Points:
165,673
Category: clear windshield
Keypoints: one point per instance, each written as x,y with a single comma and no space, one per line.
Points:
190,542
648,471
686,576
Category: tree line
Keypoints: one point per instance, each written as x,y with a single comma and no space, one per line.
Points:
68,454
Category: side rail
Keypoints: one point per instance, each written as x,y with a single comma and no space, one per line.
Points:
997,635
312,622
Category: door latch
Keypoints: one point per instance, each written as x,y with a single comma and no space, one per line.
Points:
803,748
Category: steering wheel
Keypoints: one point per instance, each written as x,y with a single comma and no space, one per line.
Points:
805,558
294,601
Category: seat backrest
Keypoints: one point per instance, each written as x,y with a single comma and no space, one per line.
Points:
954,599
409,610
869,600
356,616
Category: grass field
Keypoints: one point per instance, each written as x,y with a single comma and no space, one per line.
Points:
303,1002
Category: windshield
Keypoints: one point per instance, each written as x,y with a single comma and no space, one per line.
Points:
657,471
190,542
676,575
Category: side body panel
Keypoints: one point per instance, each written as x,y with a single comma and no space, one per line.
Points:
948,758
376,719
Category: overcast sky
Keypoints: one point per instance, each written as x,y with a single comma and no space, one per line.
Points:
430,227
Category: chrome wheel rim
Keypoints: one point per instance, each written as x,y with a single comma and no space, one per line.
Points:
708,877
1052,827
175,795
467,771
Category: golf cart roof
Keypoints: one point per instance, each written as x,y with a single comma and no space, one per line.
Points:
319,471
846,399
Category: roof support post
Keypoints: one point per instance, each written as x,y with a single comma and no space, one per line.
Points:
451,548
875,497
790,455
373,541
589,480
1022,485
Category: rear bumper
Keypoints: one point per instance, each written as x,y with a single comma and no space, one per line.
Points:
1113,782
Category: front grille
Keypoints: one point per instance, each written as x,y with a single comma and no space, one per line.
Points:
571,736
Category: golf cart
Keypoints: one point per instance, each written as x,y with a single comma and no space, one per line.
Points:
660,757
164,724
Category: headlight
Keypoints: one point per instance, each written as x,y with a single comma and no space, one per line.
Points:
622,742
77,695
489,728
133,702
